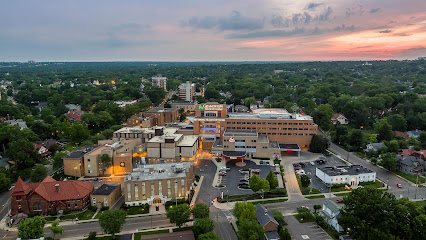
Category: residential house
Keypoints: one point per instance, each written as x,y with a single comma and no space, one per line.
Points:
74,115
49,195
106,196
42,150
331,212
418,154
414,134
403,135
339,118
374,146
410,165
19,122
268,222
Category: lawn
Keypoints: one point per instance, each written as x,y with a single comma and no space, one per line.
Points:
88,214
107,237
50,219
137,210
140,234
376,184
410,178
269,201
315,197
308,219
342,194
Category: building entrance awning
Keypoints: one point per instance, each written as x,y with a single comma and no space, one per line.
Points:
233,155
289,147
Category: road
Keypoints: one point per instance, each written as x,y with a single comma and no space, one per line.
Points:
4,203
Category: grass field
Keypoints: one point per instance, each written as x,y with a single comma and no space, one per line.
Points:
88,214
410,178
315,197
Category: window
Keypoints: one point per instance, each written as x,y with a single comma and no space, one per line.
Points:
75,205
88,165
37,206
122,164
90,171
128,188
253,140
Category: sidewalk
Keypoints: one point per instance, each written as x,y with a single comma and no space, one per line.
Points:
217,179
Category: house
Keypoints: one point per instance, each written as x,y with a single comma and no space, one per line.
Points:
20,123
49,195
42,105
339,118
352,175
268,222
374,146
42,150
106,196
414,134
73,107
418,154
410,165
74,115
403,135
331,212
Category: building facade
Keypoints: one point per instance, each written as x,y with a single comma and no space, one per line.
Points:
106,195
159,183
159,81
331,213
138,120
161,116
186,105
352,175
49,195
186,91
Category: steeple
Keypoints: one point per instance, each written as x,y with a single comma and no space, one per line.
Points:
21,188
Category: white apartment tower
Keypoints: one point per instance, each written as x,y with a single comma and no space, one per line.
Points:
187,91
159,81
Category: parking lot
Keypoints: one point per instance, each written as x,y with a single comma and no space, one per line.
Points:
302,231
310,167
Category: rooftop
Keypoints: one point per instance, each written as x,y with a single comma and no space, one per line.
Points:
264,216
160,171
188,141
269,113
159,109
234,132
80,152
105,189
345,170
289,146
165,137
332,206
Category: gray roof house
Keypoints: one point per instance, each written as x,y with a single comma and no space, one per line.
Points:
374,146
267,220
331,212
414,134
410,165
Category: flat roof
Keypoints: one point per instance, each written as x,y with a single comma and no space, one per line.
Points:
162,138
105,189
289,146
159,109
160,171
269,113
234,153
237,132
345,170
166,130
188,141
80,152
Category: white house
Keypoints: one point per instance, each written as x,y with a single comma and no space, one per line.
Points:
331,213
339,118
374,146
352,175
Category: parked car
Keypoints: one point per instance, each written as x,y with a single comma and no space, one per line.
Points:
339,200
222,174
267,163
261,162
243,184
12,187
276,172
302,165
399,185
244,180
296,166
327,154
312,163
255,171
320,161
302,207
300,171
225,168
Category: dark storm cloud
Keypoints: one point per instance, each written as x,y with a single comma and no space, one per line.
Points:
374,10
313,5
234,22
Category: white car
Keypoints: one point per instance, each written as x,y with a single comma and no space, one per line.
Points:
225,169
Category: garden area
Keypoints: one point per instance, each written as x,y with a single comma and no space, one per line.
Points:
304,183
278,192
134,210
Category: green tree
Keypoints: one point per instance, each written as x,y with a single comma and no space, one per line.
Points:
279,218
284,234
384,130
397,122
323,116
111,221
201,210
388,161
356,140
244,211
255,183
155,94
317,207
78,132
273,182
106,162
23,152
248,101
422,140
373,138
4,181
208,236
56,229
304,212
250,230
341,135
319,144
305,181
393,146
264,185
31,228
108,133
92,236
57,159
202,226
39,173
179,214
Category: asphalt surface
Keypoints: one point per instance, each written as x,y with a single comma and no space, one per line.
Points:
302,231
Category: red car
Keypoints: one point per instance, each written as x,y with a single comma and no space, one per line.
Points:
255,171
399,185
339,200
222,174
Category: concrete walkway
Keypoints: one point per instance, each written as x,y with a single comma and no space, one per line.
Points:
197,191
217,179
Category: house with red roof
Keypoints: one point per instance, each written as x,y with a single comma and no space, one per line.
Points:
339,118
49,195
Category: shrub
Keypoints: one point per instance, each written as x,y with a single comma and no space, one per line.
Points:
33,214
104,208
197,177
67,211
53,212
93,208
92,236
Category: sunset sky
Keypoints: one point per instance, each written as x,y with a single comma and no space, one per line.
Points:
215,30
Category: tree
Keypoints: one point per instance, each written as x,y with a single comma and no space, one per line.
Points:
388,161
4,181
244,211
201,210
255,183
422,140
305,181
248,101
56,229
341,135
323,115
57,159
31,228
39,173
78,132
23,152
264,185
366,213
208,236
112,221
279,218
202,225
397,122
250,230
273,182
92,236
319,144
106,162
317,207
179,214
155,94
384,130
393,146
304,212
284,234
356,140
372,138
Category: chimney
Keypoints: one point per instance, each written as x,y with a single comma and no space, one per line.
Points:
57,187
266,211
